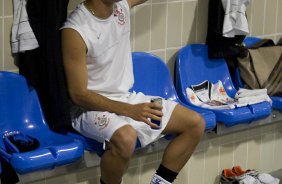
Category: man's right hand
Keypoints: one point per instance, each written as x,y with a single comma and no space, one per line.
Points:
146,111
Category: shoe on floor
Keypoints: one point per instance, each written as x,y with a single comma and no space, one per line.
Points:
263,178
228,177
239,171
266,178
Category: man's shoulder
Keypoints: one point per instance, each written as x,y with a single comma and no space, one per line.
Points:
124,4
78,16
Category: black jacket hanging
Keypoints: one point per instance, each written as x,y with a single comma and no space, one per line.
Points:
218,45
43,67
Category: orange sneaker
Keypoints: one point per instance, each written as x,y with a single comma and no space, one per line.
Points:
239,171
228,177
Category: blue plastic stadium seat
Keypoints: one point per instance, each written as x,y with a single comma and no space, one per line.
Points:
249,41
20,111
193,67
152,77
276,103
90,145
238,83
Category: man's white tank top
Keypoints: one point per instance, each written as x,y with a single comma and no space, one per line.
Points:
108,58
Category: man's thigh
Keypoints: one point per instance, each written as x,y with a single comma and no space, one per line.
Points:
99,126
181,119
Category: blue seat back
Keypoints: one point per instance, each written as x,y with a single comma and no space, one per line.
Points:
152,76
19,105
196,67
249,41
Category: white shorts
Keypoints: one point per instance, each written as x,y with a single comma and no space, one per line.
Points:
102,125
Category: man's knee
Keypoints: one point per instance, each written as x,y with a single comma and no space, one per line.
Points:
195,124
198,123
123,141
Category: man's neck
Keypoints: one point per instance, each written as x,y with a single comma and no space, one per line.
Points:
99,8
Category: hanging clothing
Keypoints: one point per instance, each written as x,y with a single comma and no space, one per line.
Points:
22,37
235,20
43,67
218,45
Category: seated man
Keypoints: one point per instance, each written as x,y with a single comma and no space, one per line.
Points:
98,65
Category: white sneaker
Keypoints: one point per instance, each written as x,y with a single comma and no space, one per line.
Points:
266,178
249,180
158,180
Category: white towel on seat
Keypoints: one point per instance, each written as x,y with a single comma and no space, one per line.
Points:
22,37
250,92
251,96
253,99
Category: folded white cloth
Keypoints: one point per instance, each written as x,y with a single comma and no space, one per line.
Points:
250,92
251,96
235,20
22,37
254,99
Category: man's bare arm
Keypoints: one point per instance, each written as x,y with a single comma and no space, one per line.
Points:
74,60
133,3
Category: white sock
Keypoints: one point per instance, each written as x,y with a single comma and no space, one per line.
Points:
158,180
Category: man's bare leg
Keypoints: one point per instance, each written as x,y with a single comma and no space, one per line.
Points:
115,160
189,127
187,124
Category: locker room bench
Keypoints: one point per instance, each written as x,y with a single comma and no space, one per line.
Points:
21,113
90,158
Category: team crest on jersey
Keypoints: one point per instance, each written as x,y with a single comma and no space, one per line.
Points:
118,12
102,121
